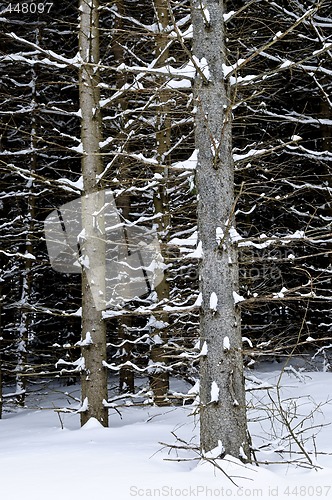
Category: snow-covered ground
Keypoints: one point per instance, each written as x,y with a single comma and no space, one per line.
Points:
41,460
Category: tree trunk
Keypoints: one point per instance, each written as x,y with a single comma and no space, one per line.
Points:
126,373
29,217
222,392
1,397
94,376
159,378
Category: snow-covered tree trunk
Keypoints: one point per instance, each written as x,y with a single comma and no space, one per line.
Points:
159,379
222,392
1,351
94,375
27,277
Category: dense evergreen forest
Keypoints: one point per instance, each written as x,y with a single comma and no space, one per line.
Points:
278,114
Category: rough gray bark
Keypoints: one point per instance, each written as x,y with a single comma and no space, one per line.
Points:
94,375
223,416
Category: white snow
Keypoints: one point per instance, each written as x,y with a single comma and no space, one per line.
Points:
157,340
277,35
75,184
105,143
325,47
204,349
189,164
81,236
245,339
206,13
228,15
87,341
213,301
195,388
203,66
156,324
197,253
219,235
234,235
250,154
84,261
226,343
216,452
84,406
45,457
78,149
199,300
214,392
281,294
190,241
29,256
77,313
238,298
242,453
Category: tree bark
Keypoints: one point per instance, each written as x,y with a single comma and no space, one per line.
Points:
1,396
159,378
27,275
94,375
222,393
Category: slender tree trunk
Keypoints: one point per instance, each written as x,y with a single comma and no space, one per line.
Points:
25,316
159,379
222,393
126,373
1,398
94,376
326,131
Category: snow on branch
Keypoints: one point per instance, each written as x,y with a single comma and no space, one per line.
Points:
53,59
79,365
241,63
151,368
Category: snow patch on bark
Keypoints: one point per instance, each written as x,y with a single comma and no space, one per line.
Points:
219,235
198,253
204,349
226,344
214,392
213,301
87,341
199,300
84,406
237,298
216,452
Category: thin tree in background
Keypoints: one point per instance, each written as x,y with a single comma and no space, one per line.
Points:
222,393
27,275
159,378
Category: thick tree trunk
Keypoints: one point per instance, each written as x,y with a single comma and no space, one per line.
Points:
222,393
94,376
